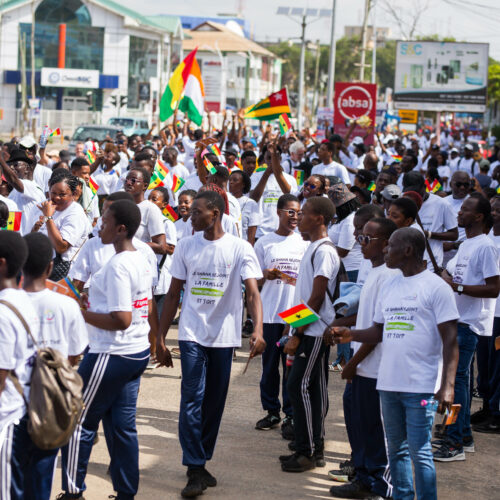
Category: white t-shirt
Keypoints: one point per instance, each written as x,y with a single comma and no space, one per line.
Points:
234,208
228,225
17,352
342,236
94,254
123,284
108,182
165,277
468,165
364,270
476,260
41,176
250,215
496,241
11,204
326,263
151,221
366,310
332,168
189,147
283,253
410,308
72,224
436,216
61,323
212,306
183,228
192,182
32,196
268,203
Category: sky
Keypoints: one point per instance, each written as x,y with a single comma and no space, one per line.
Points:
469,20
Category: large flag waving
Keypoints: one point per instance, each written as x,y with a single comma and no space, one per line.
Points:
194,94
270,108
175,86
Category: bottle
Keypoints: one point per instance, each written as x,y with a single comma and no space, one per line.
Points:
44,137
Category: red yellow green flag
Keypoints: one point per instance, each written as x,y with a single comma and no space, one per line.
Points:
173,92
161,168
192,103
177,183
93,186
13,222
91,156
285,124
55,133
299,176
371,187
434,187
269,108
209,166
299,316
260,168
169,213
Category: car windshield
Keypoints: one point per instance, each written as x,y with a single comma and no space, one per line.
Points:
96,133
122,122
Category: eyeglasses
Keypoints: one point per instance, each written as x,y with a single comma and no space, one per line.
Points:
462,184
133,180
365,240
292,213
310,186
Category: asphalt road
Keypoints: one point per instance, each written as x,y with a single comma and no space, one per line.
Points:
246,461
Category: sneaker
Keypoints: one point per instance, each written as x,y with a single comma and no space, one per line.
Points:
347,467
449,453
247,329
267,423
319,457
67,496
492,426
195,485
287,428
207,478
299,463
437,443
335,367
480,416
468,445
356,489
339,476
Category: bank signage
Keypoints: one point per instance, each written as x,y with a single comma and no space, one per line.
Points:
76,78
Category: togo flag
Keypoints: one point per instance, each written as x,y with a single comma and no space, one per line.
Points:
299,316
175,87
192,103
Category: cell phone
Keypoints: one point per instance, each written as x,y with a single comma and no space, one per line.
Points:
450,417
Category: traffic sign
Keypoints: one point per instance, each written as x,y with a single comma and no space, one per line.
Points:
408,115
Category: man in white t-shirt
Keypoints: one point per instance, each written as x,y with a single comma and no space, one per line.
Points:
467,162
415,319
307,381
329,167
118,313
209,328
473,274
279,254
367,435
62,328
17,353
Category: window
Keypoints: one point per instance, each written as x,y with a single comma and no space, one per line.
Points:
62,11
142,65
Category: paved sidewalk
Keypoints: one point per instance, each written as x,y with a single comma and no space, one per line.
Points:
246,461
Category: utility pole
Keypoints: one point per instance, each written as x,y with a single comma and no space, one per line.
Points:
24,101
32,44
331,61
363,41
374,51
316,77
301,74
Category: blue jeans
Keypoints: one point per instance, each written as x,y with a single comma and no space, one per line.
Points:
408,428
467,341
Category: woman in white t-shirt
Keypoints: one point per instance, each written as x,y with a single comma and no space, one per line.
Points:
315,185
117,314
239,187
62,220
182,225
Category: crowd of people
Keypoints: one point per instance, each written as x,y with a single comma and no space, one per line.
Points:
392,247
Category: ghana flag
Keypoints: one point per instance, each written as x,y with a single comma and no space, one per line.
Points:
177,183
94,187
299,176
298,316
270,108
169,213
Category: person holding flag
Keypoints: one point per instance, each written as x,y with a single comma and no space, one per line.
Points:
209,328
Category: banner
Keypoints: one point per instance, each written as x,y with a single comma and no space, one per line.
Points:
441,76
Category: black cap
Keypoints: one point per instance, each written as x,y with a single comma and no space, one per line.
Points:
20,155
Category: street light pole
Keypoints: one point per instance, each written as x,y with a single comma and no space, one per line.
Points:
363,41
374,51
301,73
331,61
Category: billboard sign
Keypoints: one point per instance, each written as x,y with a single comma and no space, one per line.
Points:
324,120
76,78
353,101
441,76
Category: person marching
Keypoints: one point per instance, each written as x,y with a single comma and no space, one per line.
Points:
209,328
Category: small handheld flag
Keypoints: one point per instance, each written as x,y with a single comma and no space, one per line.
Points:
434,187
260,168
91,156
498,190
299,316
159,174
55,133
94,187
13,222
177,183
169,213
371,187
299,176
396,158
161,168
209,166
285,124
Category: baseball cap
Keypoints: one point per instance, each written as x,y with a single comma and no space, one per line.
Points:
391,192
454,150
413,181
27,142
340,194
470,147
357,140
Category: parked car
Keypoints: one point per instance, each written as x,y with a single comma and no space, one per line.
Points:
97,132
130,125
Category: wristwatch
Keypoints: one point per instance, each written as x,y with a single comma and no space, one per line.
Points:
460,289
49,217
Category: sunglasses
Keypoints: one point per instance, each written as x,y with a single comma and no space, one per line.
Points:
462,184
365,240
310,186
292,213
133,180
